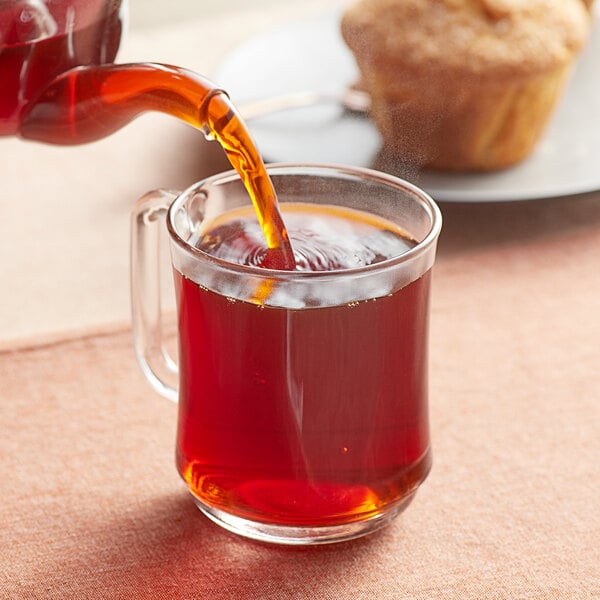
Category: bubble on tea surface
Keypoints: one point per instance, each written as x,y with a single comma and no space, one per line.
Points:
322,241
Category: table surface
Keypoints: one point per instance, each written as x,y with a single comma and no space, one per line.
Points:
91,504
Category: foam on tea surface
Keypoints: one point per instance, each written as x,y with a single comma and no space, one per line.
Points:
324,238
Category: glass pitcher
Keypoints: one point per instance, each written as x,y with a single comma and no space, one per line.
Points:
40,39
59,83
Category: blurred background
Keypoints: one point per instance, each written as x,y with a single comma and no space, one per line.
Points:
157,13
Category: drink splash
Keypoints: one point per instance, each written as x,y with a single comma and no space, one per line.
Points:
86,104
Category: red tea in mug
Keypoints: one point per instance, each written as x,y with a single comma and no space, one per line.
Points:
311,414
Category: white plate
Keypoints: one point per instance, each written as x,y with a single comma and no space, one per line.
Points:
310,55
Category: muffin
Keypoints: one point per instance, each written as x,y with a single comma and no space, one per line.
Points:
464,85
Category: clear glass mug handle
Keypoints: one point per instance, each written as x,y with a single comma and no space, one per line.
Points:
147,218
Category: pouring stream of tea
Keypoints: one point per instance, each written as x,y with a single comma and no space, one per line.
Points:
86,104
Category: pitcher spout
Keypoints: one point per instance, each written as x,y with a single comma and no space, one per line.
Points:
88,103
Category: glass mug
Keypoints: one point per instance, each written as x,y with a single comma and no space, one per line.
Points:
302,395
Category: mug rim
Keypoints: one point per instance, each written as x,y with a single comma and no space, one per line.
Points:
307,168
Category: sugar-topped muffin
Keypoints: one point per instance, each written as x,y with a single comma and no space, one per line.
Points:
464,84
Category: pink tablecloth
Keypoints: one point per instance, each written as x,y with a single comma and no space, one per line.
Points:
92,506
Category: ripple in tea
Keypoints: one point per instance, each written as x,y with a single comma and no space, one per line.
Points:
308,416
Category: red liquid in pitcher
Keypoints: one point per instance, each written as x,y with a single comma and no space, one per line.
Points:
37,42
307,416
